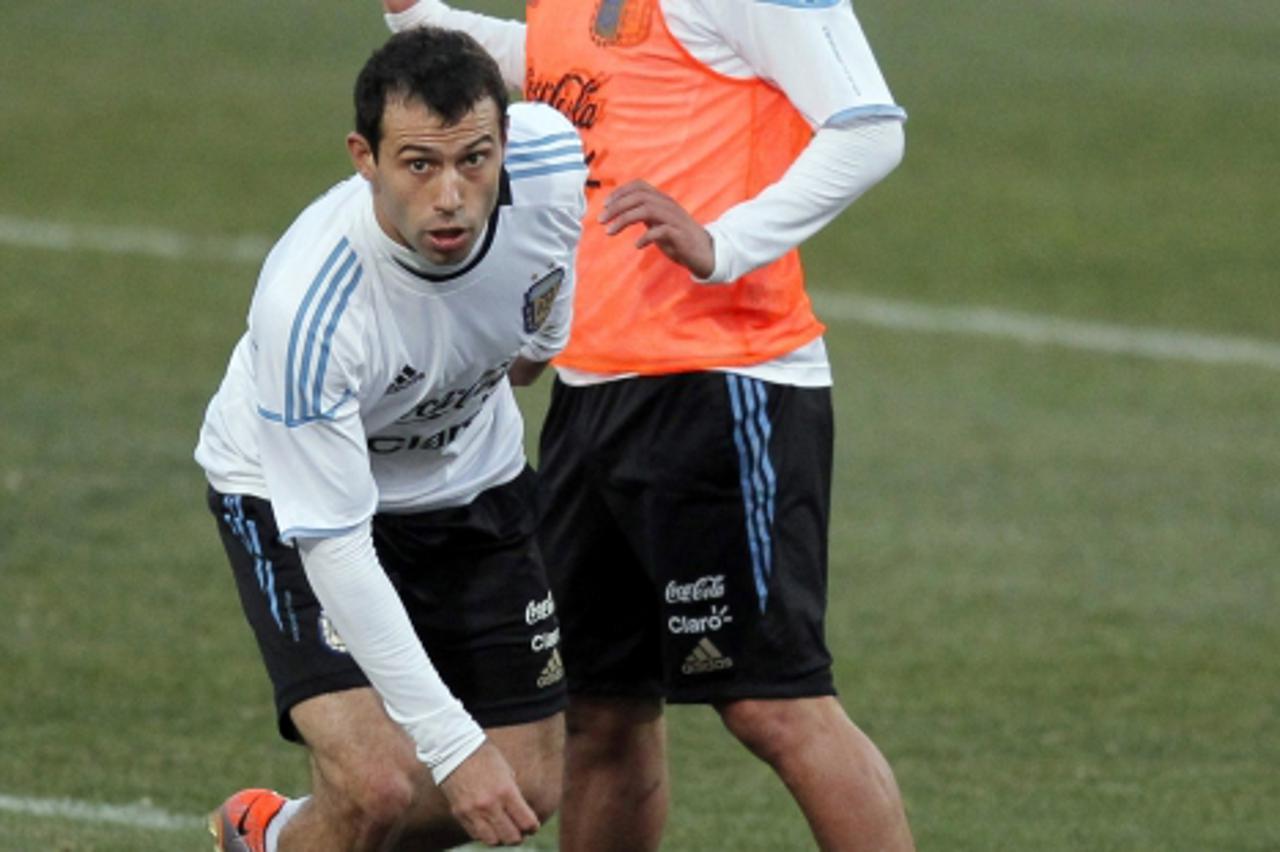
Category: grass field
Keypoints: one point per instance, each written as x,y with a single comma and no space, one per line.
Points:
1054,567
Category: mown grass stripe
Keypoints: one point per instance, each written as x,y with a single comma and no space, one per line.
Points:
834,307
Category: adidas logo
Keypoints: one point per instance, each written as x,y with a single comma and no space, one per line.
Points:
407,377
705,657
554,671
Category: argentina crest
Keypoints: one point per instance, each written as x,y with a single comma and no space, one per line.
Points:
539,298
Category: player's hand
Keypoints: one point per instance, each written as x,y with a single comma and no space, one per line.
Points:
667,225
395,6
484,798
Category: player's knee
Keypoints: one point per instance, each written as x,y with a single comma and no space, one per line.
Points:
613,729
377,796
387,797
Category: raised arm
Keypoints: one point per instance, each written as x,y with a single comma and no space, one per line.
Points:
503,38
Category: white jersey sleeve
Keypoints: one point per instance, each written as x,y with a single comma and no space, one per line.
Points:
816,53
503,38
544,162
813,50
304,345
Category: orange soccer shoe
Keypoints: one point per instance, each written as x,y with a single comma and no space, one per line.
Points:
240,825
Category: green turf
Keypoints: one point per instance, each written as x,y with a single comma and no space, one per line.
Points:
1053,573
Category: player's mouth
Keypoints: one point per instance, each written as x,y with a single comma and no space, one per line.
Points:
448,240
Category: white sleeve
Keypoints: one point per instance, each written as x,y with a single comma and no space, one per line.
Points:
503,38
838,166
311,440
553,334
815,52
545,160
368,616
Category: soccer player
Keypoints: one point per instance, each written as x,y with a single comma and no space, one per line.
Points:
367,472
687,450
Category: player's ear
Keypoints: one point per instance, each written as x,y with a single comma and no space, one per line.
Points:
362,155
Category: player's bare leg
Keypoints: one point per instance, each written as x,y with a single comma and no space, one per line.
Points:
535,751
836,774
369,791
361,787
616,787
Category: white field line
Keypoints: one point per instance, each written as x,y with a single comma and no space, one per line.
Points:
1030,329
140,815
148,242
1040,330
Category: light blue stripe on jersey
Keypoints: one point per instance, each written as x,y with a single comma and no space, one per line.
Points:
303,388
287,416
538,156
846,117
309,403
517,174
544,140
327,345
751,433
544,155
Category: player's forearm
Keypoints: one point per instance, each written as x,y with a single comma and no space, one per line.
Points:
370,619
504,39
838,166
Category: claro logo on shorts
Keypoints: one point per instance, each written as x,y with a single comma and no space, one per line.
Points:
545,641
718,618
539,610
708,588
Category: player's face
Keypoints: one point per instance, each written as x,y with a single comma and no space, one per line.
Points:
434,185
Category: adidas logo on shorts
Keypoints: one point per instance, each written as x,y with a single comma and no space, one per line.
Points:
553,672
705,657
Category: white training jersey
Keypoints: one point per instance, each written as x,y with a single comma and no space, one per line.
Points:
368,382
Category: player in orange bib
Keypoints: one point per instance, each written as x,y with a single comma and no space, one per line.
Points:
686,456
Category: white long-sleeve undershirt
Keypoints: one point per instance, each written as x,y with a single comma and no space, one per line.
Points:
368,616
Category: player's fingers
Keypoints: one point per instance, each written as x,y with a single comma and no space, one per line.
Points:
630,188
522,816
624,206
639,195
479,830
639,215
504,831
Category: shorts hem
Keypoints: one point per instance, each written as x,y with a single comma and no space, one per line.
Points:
743,692
522,713
289,698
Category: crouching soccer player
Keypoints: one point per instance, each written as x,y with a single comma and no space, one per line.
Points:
367,472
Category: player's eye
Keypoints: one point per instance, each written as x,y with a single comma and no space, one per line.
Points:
419,166
475,158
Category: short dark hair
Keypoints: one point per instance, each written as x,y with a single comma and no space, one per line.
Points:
446,70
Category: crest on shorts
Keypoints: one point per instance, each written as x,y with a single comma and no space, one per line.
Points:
621,23
539,298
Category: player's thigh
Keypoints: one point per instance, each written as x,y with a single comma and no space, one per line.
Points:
535,751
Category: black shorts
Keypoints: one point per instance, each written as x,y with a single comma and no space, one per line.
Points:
685,528
471,578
